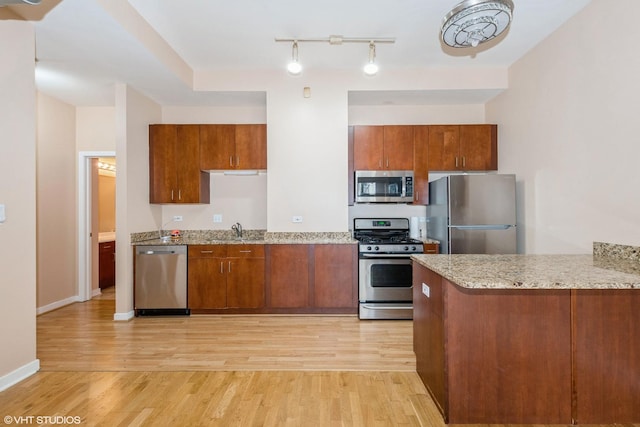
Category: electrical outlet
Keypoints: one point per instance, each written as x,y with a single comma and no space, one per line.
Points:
177,218
426,290
296,218
217,218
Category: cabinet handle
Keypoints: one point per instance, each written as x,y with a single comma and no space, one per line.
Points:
245,252
231,161
106,246
229,266
221,270
380,163
171,194
456,161
206,252
464,162
179,194
387,162
237,161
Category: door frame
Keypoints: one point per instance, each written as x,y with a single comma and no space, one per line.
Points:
84,220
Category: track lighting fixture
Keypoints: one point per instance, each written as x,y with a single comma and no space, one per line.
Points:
371,68
294,66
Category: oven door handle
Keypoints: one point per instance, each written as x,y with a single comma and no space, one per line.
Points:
368,255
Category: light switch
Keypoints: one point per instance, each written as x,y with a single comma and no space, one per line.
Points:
3,216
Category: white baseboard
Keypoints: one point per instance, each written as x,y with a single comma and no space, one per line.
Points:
57,304
124,316
19,374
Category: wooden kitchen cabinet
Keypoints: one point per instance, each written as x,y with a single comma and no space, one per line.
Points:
226,276
288,276
335,277
174,165
383,147
314,278
463,147
484,357
107,264
431,248
228,147
421,165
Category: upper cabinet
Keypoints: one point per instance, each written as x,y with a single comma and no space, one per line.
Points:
174,165
383,147
463,147
227,147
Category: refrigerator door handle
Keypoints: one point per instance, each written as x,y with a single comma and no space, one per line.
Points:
482,227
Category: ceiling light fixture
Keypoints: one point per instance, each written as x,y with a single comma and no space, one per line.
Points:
8,2
473,22
294,66
371,68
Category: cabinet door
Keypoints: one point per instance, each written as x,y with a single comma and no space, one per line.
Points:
478,147
188,165
398,147
368,147
107,264
245,282
431,248
444,147
421,165
207,279
163,180
335,276
251,147
288,267
217,147
245,276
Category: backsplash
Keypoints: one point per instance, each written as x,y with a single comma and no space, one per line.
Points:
611,250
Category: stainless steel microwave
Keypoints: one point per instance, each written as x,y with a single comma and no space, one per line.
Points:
384,186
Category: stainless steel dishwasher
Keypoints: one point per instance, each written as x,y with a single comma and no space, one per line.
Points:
161,280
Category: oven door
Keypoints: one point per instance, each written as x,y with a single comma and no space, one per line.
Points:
387,279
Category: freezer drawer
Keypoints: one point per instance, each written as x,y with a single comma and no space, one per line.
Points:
482,240
161,280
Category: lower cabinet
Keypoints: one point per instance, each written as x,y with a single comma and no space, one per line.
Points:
320,278
107,264
273,278
226,276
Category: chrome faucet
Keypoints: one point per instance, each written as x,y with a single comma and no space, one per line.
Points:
237,227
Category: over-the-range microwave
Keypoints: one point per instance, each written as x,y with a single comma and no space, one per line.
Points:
384,186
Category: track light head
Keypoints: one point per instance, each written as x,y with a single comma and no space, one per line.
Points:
371,68
294,66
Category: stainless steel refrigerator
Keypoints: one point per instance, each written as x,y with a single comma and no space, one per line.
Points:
473,214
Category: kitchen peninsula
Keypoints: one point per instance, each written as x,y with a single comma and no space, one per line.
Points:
542,339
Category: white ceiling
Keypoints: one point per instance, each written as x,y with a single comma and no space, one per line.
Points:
82,50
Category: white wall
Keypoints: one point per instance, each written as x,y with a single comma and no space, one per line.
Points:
568,129
18,194
134,112
96,127
416,114
56,203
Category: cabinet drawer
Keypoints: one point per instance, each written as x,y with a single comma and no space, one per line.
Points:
207,251
431,248
245,251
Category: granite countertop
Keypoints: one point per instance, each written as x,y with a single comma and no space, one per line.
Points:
535,271
255,237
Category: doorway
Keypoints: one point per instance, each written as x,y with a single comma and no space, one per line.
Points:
87,224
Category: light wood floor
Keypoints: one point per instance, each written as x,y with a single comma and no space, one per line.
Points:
221,371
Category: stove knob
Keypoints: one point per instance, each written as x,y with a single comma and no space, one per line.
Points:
413,248
377,248
368,248
406,248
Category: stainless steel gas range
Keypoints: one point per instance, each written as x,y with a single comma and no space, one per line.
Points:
384,267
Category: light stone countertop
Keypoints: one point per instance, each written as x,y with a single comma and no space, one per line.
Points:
255,237
535,271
